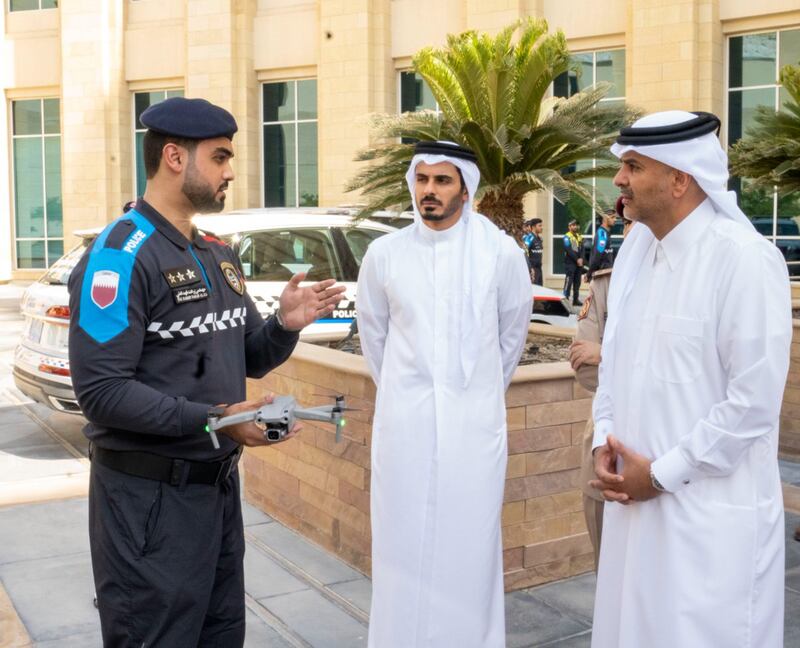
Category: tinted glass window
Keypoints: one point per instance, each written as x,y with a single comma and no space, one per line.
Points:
289,130
752,60
59,272
277,255
359,239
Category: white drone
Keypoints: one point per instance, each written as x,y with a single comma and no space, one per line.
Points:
279,416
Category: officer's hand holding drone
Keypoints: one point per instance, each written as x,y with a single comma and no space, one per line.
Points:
247,433
301,306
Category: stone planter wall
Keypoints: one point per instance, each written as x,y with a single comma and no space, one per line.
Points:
790,412
321,489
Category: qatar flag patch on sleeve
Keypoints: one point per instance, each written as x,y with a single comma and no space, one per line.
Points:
105,286
106,283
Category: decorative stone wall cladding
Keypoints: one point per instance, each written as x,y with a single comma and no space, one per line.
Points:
790,412
321,489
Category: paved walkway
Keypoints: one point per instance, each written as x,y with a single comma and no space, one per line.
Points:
297,594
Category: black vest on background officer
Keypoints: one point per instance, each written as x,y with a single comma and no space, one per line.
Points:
535,250
602,255
162,331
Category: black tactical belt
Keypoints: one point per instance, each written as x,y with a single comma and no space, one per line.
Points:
174,472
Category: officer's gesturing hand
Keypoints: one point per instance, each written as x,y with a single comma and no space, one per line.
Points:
249,434
300,306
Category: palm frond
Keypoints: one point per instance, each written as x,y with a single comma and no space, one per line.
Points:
492,95
769,153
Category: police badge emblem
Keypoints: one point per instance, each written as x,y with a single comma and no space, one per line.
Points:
232,277
585,310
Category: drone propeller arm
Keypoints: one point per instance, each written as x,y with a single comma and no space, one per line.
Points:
315,414
233,419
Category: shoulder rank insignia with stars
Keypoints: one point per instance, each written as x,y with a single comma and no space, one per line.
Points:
183,276
232,277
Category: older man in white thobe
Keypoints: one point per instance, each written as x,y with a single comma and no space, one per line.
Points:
695,358
443,311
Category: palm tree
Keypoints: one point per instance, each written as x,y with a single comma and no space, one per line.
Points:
770,151
492,97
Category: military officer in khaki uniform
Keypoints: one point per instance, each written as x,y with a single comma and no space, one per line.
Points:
584,355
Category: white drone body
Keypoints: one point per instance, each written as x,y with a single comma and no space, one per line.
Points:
278,417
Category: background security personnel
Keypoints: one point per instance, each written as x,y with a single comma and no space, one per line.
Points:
535,248
602,255
573,262
162,331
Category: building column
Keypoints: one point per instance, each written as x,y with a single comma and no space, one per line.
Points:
220,68
675,55
6,244
95,114
355,79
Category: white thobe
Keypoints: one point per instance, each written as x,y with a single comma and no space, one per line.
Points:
695,380
438,447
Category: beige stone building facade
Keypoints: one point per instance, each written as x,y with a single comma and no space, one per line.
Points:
302,77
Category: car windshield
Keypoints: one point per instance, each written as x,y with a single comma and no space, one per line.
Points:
58,273
358,239
277,255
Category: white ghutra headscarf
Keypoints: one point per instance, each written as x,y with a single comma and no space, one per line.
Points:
684,141
481,248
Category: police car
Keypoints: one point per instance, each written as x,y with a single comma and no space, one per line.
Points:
272,244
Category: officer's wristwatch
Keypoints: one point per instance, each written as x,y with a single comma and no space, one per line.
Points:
655,483
281,324
279,320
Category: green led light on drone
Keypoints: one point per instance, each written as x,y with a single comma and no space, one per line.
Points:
207,430
343,422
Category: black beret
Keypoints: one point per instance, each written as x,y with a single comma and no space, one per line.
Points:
190,119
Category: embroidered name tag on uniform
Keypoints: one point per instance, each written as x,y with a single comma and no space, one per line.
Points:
232,277
183,295
184,276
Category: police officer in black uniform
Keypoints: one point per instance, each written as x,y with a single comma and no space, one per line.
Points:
535,250
162,335
602,255
573,262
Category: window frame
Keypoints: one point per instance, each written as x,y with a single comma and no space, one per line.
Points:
776,87
39,8
436,109
295,122
136,130
554,238
13,168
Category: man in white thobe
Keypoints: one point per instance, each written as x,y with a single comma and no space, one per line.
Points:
695,357
443,310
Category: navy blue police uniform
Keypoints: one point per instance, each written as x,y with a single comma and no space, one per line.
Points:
161,330
535,252
602,255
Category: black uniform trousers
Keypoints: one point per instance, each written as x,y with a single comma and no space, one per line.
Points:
536,275
572,281
167,561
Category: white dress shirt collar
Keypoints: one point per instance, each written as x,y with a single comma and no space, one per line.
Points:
680,239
